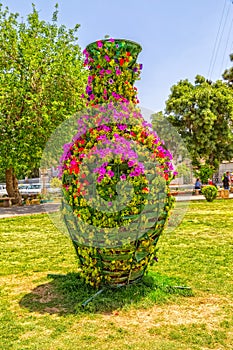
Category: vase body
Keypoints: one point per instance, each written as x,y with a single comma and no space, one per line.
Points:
115,235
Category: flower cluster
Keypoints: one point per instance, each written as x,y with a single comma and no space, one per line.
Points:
113,71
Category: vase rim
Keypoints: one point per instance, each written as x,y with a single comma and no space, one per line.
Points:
117,40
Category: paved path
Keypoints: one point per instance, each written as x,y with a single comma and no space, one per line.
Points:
51,207
28,210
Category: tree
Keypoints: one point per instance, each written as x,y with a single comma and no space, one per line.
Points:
169,134
228,73
203,115
42,80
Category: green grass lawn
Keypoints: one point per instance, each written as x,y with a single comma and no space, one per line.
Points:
40,312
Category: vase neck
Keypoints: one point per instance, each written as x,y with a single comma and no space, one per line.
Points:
112,71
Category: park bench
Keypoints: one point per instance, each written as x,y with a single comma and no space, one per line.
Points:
6,201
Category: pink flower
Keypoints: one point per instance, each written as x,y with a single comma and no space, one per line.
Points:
118,71
122,127
99,43
123,177
102,137
131,163
102,171
100,178
107,58
110,173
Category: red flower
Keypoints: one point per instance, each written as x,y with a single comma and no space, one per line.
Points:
128,53
122,61
145,190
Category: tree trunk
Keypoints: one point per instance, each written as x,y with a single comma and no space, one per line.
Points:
12,187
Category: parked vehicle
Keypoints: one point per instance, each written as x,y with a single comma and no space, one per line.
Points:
3,191
30,189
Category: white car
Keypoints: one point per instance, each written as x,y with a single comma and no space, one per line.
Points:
30,188
3,191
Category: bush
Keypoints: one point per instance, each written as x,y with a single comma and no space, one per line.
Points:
210,192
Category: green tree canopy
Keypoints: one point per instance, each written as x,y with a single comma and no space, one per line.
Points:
42,80
203,115
228,74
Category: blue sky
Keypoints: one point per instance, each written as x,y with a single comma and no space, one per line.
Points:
178,37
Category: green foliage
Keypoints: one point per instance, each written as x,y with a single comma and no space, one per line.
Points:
205,172
228,73
203,114
55,182
42,78
210,192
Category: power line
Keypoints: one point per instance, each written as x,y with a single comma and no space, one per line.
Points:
220,39
224,59
216,39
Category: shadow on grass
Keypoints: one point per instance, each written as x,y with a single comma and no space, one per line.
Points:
66,295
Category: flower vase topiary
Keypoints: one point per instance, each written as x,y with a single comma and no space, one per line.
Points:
115,172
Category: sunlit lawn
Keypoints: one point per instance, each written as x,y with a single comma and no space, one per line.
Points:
40,312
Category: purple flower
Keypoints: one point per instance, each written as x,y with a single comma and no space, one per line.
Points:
114,94
111,40
122,127
100,178
107,58
109,204
85,52
117,137
111,81
108,71
92,96
107,128
123,177
99,43
88,89
110,173
131,163
102,171
118,71
89,79
102,137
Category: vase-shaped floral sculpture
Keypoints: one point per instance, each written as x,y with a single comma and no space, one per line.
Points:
115,173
